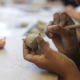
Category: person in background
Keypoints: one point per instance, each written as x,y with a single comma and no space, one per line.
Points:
67,2
65,62
70,2
71,10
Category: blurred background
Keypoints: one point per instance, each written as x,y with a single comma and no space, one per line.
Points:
19,17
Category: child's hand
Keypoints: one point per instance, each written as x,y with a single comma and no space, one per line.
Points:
65,40
51,60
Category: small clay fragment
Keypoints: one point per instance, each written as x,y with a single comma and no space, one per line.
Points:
24,24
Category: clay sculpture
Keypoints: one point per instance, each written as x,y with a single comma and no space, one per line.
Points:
41,25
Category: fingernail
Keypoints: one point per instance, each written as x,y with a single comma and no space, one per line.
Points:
50,28
39,38
50,34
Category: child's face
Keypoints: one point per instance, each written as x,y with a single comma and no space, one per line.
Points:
78,1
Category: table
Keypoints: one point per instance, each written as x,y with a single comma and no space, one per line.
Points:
14,67
28,13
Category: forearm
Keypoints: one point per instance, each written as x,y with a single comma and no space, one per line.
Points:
72,73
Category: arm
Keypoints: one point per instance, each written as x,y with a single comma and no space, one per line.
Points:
73,73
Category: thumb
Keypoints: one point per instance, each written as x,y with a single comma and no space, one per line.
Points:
43,45
59,30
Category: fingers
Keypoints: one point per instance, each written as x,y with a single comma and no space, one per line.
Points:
61,20
37,52
56,18
49,53
25,49
49,24
65,19
56,22
46,29
44,47
59,30
39,60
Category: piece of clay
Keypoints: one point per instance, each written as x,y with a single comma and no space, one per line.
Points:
24,24
34,30
31,41
41,25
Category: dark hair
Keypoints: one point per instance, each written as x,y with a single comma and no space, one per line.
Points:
70,2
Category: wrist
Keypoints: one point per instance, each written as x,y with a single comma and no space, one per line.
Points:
72,72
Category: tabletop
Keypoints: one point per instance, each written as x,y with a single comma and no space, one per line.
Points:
14,67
